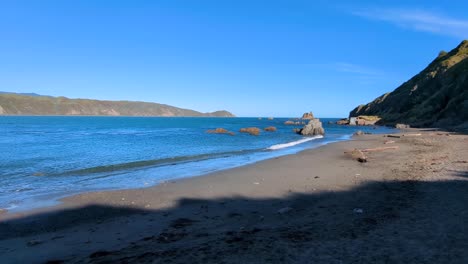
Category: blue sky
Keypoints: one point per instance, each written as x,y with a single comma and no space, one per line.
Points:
254,58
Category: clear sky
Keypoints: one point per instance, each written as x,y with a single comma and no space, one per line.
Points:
251,57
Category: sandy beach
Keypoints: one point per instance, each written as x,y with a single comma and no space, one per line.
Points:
405,205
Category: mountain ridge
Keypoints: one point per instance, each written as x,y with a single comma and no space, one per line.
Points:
437,96
34,104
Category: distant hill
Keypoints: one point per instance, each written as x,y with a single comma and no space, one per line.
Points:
28,94
436,97
34,104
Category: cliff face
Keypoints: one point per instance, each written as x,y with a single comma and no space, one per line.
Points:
437,96
17,104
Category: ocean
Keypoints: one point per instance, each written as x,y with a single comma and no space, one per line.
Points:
43,159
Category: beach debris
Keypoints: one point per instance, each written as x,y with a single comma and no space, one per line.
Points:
284,210
220,131
358,210
412,135
358,133
34,242
255,131
393,136
357,155
402,126
270,129
389,142
378,149
100,253
182,222
314,127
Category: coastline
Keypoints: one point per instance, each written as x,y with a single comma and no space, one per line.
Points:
69,201
318,198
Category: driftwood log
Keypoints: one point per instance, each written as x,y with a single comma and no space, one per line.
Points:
359,154
378,149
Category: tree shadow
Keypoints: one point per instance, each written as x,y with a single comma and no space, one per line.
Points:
377,222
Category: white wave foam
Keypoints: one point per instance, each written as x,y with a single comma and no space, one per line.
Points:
294,143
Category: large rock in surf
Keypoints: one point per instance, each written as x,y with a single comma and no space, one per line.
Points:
314,127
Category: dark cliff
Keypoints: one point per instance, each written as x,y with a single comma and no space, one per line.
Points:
437,96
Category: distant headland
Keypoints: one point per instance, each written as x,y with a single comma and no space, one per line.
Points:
35,104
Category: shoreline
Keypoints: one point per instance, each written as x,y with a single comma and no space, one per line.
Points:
294,208
63,200
57,200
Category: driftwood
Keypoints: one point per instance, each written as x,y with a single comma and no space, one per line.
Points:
405,135
358,154
378,149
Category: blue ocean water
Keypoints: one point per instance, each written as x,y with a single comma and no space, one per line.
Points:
46,158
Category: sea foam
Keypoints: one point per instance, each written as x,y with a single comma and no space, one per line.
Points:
294,143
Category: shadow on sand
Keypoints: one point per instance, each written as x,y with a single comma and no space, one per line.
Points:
378,222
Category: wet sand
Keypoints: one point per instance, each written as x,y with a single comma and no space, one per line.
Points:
405,205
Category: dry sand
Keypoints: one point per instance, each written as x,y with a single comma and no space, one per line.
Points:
407,205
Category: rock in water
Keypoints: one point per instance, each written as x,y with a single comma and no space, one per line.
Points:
220,131
314,127
255,131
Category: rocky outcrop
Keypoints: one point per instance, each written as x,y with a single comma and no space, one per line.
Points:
367,120
255,131
436,97
309,115
270,129
220,131
344,121
314,127
21,104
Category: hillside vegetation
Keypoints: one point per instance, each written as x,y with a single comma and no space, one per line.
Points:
437,96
